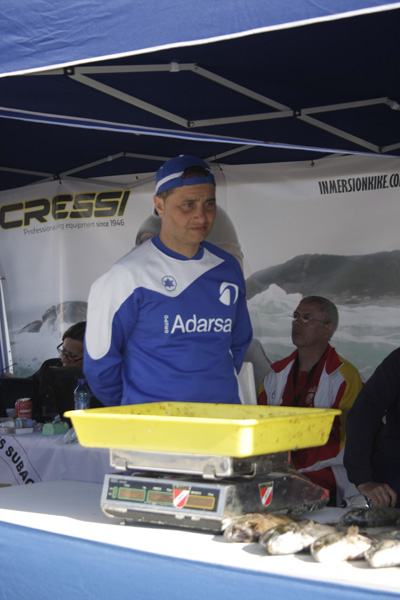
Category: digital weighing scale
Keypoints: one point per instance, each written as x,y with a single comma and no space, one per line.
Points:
204,492
199,466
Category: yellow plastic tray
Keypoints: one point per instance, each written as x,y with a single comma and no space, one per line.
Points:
211,429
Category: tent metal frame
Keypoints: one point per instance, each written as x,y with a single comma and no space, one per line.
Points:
84,75
80,75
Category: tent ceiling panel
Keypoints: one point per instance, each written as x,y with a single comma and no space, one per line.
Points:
332,85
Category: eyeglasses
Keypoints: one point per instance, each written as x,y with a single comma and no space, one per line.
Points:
305,319
71,357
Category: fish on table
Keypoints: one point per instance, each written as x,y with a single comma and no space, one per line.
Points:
280,534
371,517
290,538
249,527
384,553
340,546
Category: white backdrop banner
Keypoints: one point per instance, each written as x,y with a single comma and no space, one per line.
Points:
55,240
328,228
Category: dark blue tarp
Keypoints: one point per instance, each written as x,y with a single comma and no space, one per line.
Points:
232,81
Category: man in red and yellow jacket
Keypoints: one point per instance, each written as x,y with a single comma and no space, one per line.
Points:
314,375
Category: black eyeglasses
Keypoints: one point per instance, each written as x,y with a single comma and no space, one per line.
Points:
70,355
305,319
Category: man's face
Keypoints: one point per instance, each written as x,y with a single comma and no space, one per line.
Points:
315,332
72,354
187,216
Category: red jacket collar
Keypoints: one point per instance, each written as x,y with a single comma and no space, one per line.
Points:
333,361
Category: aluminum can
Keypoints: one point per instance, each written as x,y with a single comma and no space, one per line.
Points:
23,408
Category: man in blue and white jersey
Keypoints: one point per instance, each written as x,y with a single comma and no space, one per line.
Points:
169,321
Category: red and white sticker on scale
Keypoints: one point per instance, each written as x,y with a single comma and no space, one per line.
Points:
266,491
181,495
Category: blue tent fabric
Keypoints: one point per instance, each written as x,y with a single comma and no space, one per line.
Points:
45,33
233,82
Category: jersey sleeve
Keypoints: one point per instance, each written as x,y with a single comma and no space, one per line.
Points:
107,331
346,396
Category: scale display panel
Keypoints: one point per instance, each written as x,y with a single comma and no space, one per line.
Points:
135,492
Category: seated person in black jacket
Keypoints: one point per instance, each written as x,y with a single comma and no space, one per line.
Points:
372,451
71,355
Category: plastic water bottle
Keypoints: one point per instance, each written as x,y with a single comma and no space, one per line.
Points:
82,395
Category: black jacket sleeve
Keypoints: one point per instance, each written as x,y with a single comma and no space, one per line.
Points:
378,400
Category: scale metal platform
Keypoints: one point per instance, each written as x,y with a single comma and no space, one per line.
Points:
198,466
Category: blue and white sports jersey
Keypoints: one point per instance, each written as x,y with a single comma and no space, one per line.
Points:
161,327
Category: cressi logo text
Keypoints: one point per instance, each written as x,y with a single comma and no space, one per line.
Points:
110,204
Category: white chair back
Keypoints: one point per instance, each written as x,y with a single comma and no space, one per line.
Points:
247,386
